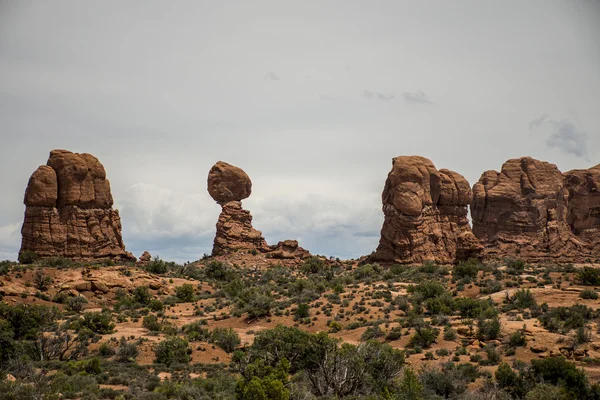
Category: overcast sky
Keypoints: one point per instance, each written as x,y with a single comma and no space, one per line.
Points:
311,98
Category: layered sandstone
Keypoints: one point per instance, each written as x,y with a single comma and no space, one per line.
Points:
425,215
583,210
69,210
523,211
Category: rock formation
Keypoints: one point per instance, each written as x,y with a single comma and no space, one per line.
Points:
583,211
288,249
69,210
425,215
524,210
228,185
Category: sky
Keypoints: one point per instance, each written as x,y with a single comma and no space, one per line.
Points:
312,99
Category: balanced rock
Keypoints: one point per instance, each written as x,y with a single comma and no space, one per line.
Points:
69,210
522,212
583,213
425,215
227,182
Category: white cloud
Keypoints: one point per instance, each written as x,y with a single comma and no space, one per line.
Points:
10,241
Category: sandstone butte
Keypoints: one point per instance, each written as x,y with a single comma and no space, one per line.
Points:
532,211
425,213
69,211
228,185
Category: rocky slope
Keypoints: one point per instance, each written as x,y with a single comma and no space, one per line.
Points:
69,210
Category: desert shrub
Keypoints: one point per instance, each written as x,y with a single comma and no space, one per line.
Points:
508,380
76,303
255,302
566,318
394,334
28,257
142,295
41,281
185,293
558,371
314,265
159,266
517,339
488,329
218,270
126,352
106,350
466,269
303,311
98,322
172,350
516,266
474,308
428,290
156,305
424,336
196,331
450,381
151,323
588,294
372,332
522,299
589,276
261,381
225,338
367,271
449,334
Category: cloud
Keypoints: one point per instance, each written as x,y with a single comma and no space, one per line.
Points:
416,98
377,95
10,241
536,122
272,76
566,135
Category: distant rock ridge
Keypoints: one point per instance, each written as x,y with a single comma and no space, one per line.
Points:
69,211
532,211
228,185
425,215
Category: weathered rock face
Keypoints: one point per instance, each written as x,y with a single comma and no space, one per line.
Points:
522,211
425,214
583,211
288,249
235,231
69,210
227,182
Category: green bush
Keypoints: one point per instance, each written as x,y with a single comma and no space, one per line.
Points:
185,293
127,352
151,323
558,371
172,350
142,295
424,337
589,276
28,257
466,269
225,338
588,294
372,332
98,322
303,311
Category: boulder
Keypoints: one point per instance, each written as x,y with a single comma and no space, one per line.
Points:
425,215
227,183
288,249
